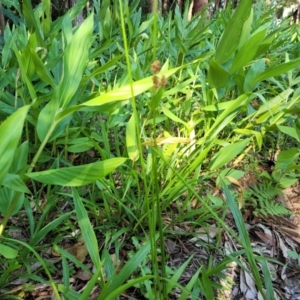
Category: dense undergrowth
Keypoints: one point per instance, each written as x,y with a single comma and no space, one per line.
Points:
114,133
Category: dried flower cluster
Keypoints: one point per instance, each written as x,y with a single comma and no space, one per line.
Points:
157,82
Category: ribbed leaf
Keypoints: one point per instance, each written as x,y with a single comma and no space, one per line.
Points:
10,133
131,142
75,60
217,76
227,153
278,70
247,51
79,175
231,36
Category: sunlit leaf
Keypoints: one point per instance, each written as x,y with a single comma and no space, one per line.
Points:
227,153
7,251
10,133
131,142
79,175
231,36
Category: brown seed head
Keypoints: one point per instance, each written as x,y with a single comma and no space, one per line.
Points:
156,83
163,81
156,67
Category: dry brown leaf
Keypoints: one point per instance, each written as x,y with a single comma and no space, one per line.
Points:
83,275
266,238
79,251
282,246
206,234
247,285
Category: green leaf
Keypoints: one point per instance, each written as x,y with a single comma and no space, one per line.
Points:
124,92
255,69
289,131
243,235
131,142
79,175
247,51
173,117
75,60
46,120
8,252
286,158
87,230
131,265
227,153
21,158
275,71
42,233
41,70
10,201
10,133
14,182
230,38
217,76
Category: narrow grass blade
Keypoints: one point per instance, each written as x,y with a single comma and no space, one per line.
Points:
125,273
87,231
244,237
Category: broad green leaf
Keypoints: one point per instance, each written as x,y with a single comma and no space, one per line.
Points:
75,60
14,182
227,153
276,71
33,25
46,120
247,51
7,251
124,92
291,131
24,74
255,69
10,133
131,142
9,197
41,69
79,175
21,158
246,32
286,158
218,77
230,38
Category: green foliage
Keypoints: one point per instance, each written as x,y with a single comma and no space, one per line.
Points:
263,199
90,108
